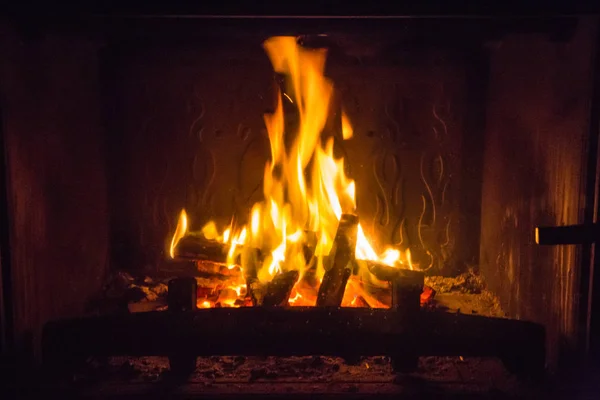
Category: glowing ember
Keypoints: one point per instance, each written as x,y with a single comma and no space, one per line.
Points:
305,189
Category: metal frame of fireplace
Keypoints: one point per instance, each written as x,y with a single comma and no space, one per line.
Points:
402,332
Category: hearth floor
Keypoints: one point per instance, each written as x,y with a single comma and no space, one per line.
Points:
315,376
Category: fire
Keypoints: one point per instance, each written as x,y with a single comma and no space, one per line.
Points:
182,226
305,187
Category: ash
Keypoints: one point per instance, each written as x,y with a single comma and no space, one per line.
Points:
310,374
465,293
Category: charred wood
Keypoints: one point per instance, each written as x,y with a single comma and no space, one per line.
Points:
192,247
279,289
427,296
310,245
331,291
256,291
384,272
200,269
251,262
209,268
334,282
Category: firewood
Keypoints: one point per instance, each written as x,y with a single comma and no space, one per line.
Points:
193,247
207,267
334,282
204,292
210,268
427,296
279,289
310,274
256,291
251,262
387,273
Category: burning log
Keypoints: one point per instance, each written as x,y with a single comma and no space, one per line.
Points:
310,274
427,296
404,280
256,291
194,247
279,289
210,268
204,292
251,262
200,269
334,282
384,272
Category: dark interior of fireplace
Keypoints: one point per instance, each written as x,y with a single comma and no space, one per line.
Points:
473,153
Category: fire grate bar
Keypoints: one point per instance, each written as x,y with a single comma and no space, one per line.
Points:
289,331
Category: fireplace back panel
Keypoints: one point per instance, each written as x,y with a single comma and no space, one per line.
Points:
193,137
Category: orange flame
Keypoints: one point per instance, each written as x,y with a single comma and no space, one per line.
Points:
182,227
305,187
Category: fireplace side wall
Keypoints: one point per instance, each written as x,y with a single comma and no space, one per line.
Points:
535,152
58,221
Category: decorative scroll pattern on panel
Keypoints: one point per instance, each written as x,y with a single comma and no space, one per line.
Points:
203,147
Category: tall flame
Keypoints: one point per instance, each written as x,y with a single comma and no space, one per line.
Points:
182,227
305,187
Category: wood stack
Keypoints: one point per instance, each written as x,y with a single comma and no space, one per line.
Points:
211,257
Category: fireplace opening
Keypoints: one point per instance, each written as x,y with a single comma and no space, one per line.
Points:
300,204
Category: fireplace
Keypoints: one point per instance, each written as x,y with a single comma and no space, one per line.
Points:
371,197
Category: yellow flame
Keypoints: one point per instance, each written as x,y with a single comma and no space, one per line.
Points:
305,186
390,256
204,304
239,239
210,230
182,227
347,131
295,298
255,225
295,237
